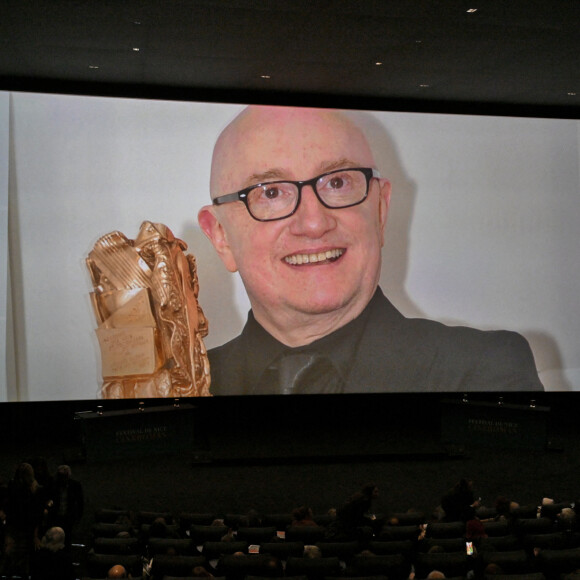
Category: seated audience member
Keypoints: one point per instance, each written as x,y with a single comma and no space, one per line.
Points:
252,519
201,572
117,571
303,516
567,519
312,552
299,209
160,529
52,561
493,569
474,529
505,512
435,575
502,508
229,536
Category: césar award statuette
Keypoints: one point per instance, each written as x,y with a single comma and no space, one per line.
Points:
150,324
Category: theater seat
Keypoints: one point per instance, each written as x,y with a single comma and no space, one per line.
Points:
147,531
500,543
256,535
201,534
343,550
286,577
110,516
164,565
525,511
187,519
306,534
451,564
105,530
392,547
215,550
409,518
378,577
279,521
552,541
283,550
446,530
448,544
238,567
530,576
313,568
534,526
553,562
116,545
183,547
391,565
485,512
148,517
499,528
514,562
399,533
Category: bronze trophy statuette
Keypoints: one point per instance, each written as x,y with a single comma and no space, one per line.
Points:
150,324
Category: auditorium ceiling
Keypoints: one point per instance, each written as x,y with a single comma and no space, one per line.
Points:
474,56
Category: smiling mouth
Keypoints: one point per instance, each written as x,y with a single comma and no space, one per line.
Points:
315,258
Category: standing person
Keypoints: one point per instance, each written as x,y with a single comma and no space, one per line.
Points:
24,512
355,520
67,502
459,503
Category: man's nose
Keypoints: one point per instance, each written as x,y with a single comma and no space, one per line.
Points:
312,218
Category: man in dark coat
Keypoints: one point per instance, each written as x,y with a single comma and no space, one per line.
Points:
67,502
299,210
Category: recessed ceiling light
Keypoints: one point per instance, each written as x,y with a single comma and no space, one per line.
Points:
265,76
135,49
424,86
378,63
572,94
93,66
472,10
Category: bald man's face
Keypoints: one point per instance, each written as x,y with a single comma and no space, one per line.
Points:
319,260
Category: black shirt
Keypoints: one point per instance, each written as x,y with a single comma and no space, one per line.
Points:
333,355
379,351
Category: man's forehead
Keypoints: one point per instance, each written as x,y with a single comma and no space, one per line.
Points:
285,142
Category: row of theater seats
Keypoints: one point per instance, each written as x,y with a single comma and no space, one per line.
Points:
394,550
549,565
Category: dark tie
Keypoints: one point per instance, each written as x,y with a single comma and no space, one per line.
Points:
308,373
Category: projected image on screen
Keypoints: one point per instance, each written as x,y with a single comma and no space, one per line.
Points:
336,251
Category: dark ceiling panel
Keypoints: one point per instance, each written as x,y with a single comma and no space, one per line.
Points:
433,53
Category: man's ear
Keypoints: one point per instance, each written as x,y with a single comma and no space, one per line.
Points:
384,200
214,230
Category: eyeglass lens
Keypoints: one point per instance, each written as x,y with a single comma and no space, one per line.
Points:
279,199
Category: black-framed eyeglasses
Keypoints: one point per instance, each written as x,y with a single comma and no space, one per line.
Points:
276,200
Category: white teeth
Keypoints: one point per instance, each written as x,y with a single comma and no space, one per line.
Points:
298,259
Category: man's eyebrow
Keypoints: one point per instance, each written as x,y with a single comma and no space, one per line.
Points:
277,173
268,175
342,163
